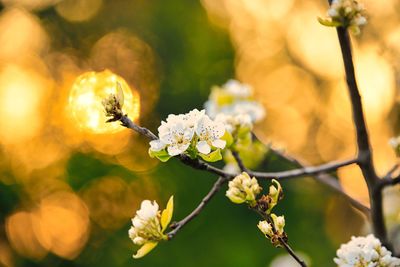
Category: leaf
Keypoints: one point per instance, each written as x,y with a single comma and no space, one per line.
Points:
146,248
166,214
228,138
162,155
120,94
212,157
329,23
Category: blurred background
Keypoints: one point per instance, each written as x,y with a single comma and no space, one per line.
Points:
67,193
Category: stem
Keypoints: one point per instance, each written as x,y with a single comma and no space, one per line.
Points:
326,179
364,148
178,225
292,253
312,170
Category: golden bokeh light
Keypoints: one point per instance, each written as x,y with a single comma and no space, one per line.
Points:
21,97
61,224
20,233
78,10
85,101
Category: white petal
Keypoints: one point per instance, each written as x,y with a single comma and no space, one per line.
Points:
219,143
174,150
157,145
203,147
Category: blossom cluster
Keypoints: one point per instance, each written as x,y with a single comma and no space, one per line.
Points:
365,252
242,189
346,13
232,99
193,133
148,226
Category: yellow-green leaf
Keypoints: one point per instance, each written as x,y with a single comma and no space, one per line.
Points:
166,215
146,248
213,156
120,94
228,138
161,155
329,23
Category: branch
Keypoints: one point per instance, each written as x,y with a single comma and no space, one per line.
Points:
303,171
326,179
194,163
364,148
239,161
178,225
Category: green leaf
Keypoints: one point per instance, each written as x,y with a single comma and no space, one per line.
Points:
166,214
228,138
329,23
213,156
162,155
146,248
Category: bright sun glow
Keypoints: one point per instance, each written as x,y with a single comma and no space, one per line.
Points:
86,96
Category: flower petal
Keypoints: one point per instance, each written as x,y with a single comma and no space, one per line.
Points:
203,147
219,143
146,248
166,214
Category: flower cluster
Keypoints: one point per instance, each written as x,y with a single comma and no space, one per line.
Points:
148,226
394,142
273,230
346,13
113,104
365,251
273,227
243,188
193,133
234,98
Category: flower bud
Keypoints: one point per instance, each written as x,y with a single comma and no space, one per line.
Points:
243,189
279,223
266,228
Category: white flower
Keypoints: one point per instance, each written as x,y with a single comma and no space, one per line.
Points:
148,226
243,188
234,98
394,142
266,228
176,135
157,145
365,251
237,89
233,123
209,133
347,13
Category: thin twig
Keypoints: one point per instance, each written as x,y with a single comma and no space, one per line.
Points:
239,161
201,165
292,253
325,179
312,170
178,225
391,171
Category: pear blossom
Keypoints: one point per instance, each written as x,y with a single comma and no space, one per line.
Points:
346,13
176,135
365,251
193,134
234,122
243,188
148,226
234,98
394,142
209,133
